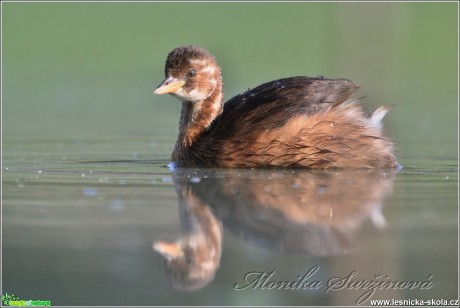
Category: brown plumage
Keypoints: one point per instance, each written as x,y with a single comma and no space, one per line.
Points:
290,122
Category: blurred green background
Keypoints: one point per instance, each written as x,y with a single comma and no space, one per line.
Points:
83,198
87,70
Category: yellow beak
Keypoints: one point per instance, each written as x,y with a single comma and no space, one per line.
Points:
169,85
168,250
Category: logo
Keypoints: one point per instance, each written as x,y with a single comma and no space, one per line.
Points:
11,300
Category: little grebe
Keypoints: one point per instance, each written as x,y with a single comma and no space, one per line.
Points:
289,122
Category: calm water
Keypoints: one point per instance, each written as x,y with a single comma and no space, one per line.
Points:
80,232
87,192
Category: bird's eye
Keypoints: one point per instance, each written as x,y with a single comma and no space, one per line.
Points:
191,73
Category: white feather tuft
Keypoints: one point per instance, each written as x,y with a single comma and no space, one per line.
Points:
377,116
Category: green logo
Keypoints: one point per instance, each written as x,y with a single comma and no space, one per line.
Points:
12,300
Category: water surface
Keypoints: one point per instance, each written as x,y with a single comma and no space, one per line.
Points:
80,232
86,191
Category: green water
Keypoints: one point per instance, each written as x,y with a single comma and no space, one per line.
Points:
85,186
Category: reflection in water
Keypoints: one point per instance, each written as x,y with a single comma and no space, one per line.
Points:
289,211
192,260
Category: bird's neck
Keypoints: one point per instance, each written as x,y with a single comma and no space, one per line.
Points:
196,117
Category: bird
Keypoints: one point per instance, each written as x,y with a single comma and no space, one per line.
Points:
293,122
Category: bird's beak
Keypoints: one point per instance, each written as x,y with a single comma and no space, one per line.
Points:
168,250
169,85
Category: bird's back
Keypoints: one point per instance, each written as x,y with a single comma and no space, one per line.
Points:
294,122
272,104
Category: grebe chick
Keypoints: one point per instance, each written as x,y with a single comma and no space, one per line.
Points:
290,122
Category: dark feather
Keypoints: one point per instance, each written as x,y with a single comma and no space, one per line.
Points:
272,104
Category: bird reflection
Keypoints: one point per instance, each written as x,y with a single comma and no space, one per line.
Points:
192,260
288,211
